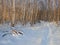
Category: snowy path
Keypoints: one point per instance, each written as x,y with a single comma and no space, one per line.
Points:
39,34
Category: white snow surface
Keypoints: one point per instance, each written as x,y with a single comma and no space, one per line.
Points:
44,33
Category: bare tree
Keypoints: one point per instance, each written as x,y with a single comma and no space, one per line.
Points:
58,16
4,10
13,16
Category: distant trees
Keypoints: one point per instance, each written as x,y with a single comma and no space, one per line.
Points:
1,11
32,11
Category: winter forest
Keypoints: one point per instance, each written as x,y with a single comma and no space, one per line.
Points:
32,11
29,22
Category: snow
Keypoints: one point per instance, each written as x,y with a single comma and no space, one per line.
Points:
44,33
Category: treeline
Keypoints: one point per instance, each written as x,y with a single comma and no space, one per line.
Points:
29,11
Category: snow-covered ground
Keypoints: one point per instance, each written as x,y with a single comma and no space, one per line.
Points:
43,33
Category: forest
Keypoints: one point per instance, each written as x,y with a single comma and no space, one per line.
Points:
32,11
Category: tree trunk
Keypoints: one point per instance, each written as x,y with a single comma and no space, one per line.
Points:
13,16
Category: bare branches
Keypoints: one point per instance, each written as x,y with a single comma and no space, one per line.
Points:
32,11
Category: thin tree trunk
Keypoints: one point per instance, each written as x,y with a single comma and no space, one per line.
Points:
4,11
54,10
13,16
